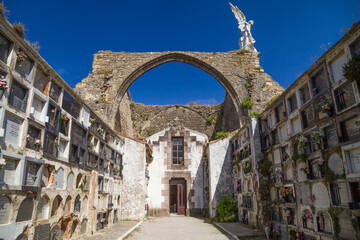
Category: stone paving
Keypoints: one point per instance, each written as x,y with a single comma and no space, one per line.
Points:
242,231
177,228
113,232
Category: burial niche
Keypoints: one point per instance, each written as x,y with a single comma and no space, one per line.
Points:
25,210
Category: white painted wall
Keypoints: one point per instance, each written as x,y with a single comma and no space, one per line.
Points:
133,187
219,172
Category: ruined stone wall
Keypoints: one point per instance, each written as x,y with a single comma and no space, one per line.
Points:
140,121
238,72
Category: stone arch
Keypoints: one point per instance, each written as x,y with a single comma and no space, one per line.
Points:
59,178
77,204
70,180
56,205
324,222
79,179
25,210
307,219
321,196
74,225
6,206
83,226
56,232
85,203
42,208
67,206
184,58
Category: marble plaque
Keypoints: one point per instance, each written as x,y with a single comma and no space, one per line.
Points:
344,194
305,194
301,174
12,130
70,180
25,210
7,173
31,173
354,156
5,208
321,196
277,158
331,137
42,232
42,209
59,178
335,163
83,226
38,107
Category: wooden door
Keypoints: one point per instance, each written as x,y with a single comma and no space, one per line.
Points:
180,199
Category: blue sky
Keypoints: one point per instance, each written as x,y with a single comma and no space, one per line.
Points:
289,34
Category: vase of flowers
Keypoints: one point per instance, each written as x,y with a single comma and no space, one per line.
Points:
302,141
3,86
21,56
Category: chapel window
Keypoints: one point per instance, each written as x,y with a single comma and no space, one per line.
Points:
178,150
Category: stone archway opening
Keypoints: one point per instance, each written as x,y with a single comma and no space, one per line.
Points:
205,118
239,73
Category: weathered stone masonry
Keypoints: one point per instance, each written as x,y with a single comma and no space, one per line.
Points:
238,72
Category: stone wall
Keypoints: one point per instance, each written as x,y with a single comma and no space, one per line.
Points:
207,119
238,72
133,187
220,172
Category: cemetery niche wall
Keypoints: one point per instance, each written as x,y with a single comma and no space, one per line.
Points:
53,150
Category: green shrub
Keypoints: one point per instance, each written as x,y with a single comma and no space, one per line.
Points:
351,69
209,120
247,103
242,51
254,114
247,85
221,134
150,132
227,210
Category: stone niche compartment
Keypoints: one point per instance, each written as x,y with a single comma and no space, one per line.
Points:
55,91
38,107
85,117
70,105
64,147
92,160
25,68
5,49
5,209
78,133
77,154
53,114
18,96
93,143
41,81
13,126
33,137
33,173
50,143
11,174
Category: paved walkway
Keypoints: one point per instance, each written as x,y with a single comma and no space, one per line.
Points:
242,231
176,228
112,232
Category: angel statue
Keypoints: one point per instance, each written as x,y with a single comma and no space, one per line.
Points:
246,41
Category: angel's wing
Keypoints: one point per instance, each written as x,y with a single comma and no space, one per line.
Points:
238,14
